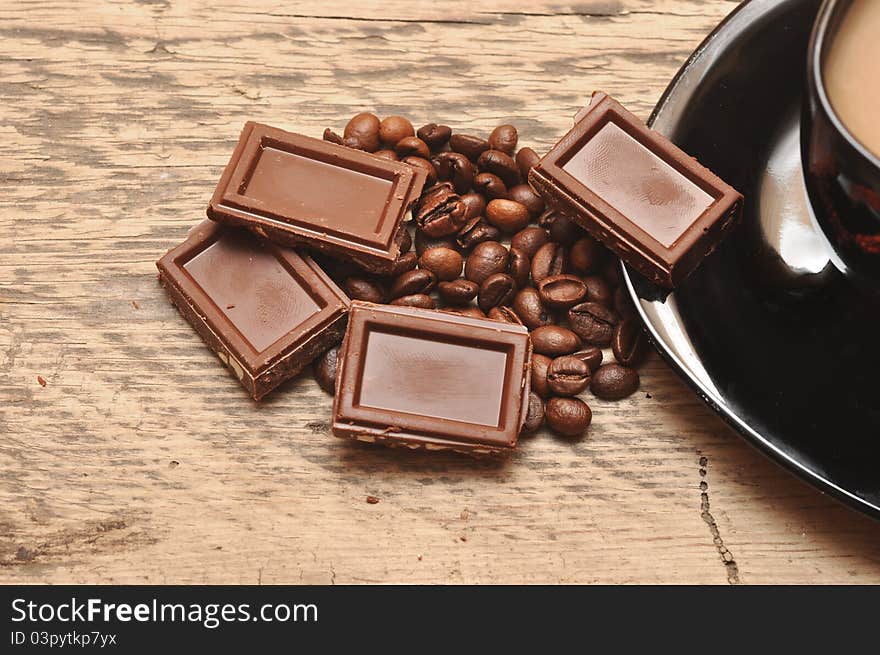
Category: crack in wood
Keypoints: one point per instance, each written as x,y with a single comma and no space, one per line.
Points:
726,556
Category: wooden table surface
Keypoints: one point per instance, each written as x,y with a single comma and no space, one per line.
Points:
143,461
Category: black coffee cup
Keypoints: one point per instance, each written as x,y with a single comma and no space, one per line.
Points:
842,175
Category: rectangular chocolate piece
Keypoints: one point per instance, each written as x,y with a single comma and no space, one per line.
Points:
294,189
636,192
266,310
428,379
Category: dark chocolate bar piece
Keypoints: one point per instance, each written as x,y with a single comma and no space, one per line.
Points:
266,310
435,380
635,191
294,189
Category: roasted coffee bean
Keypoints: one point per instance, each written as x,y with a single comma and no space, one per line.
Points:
629,342
364,129
475,203
568,376
324,370
495,290
332,137
405,240
611,272
507,215
458,292
442,262
353,142
594,323
531,310
519,267
425,165
564,230
475,231
540,365
534,415
550,260
422,300
473,312
490,185
562,291
440,211
423,242
529,240
546,219
554,340
586,255
526,159
470,146
623,304
504,314
568,417
487,258
394,128
412,146
501,164
405,262
504,138
456,168
436,136
390,155
412,282
591,356
525,195
613,382
359,288
598,290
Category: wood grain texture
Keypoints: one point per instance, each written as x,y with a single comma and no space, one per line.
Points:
142,460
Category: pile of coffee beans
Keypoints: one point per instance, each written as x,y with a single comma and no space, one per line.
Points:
486,246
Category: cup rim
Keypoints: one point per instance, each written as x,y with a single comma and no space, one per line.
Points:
818,44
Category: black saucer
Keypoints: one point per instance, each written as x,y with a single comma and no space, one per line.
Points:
767,330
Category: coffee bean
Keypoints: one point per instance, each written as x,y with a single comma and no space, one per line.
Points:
519,267
591,356
564,230
412,282
421,300
586,255
475,231
487,258
490,185
470,146
495,290
405,239
623,304
530,308
458,292
562,291
456,168
394,128
359,288
442,262
540,365
554,340
526,159
412,146
501,164
568,417
405,262
504,314
529,240
568,376
550,259
440,211
507,215
535,415
475,204
471,311
324,369
353,142
594,323
436,136
613,382
425,165
332,137
598,290
424,242
611,272
364,129
504,138
629,342
390,155
546,219
524,194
